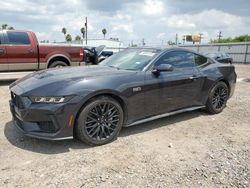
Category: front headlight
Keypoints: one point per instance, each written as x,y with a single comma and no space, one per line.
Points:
54,100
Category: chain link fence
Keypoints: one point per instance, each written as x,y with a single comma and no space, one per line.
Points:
240,52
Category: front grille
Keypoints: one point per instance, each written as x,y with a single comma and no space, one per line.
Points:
17,100
47,126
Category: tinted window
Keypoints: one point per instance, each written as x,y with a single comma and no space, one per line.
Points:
200,60
18,38
177,59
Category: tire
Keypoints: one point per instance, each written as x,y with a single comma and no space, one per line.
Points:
217,98
58,64
100,121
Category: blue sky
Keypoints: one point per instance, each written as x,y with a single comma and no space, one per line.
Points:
156,21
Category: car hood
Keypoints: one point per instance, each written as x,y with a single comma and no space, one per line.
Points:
59,78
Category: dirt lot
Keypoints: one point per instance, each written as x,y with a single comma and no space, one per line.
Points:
187,150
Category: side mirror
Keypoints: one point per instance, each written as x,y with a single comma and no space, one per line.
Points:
162,68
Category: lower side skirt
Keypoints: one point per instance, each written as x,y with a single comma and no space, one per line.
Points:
164,115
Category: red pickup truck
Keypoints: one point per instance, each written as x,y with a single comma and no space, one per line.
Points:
19,50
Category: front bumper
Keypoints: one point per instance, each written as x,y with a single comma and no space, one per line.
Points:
45,121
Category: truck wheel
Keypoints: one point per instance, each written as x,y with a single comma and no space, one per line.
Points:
100,121
58,64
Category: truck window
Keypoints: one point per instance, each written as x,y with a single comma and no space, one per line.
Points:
18,38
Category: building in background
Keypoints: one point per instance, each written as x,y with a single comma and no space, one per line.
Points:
109,43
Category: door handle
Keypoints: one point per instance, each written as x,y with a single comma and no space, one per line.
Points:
2,51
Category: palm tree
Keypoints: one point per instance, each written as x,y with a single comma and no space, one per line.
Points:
83,32
68,38
104,32
78,38
4,26
64,31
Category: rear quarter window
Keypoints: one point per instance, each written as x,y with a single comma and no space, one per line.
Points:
19,38
200,60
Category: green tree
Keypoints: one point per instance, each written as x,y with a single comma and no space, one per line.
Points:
11,28
83,32
104,32
4,26
241,38
171,42
78,38
64,31
68,38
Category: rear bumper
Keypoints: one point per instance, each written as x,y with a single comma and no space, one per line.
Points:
232,89
233,84
50,122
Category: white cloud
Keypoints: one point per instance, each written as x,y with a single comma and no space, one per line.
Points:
43,35
122,16
161,36
153,7
123,27
208,22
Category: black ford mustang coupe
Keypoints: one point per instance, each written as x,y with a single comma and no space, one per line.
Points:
93,103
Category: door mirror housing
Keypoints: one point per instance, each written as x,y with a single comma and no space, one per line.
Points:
162,68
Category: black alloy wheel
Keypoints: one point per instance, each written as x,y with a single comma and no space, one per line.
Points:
218,98
100,121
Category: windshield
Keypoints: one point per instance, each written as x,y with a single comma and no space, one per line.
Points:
130,59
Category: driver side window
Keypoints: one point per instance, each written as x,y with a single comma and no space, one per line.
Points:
177,59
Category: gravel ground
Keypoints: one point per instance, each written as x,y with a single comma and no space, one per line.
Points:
187,150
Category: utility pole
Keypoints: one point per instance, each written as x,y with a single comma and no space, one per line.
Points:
219,36
176,39
143,42
183,39
86,28
201,37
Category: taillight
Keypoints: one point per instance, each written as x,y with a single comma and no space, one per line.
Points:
81,54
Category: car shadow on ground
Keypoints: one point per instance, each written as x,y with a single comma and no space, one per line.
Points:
62,146
162,122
